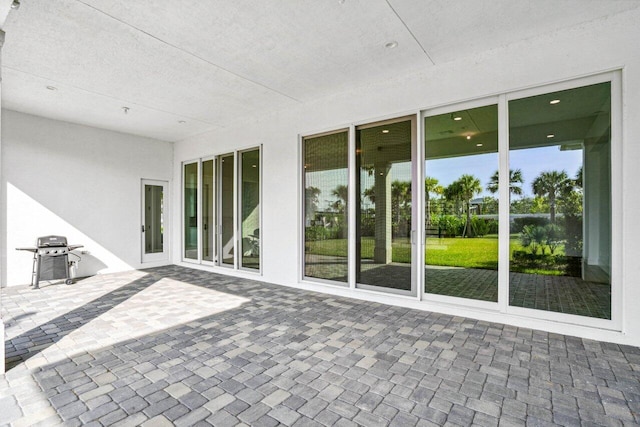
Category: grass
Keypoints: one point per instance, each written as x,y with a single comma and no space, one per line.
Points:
479,252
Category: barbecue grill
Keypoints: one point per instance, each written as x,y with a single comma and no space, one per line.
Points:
51,259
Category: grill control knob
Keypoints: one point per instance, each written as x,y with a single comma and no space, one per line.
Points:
55,252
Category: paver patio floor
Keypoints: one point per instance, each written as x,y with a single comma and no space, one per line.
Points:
177,346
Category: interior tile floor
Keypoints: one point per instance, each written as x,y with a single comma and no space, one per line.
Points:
177,346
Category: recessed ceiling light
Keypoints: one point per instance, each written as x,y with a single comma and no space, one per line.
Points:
385,130
182,121
550,135
15,4
478,145
52,88
554,101
391,45
468,136
457,118
125,109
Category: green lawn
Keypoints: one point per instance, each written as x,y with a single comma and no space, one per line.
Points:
479,252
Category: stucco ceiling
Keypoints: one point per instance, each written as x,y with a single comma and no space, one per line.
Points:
210,63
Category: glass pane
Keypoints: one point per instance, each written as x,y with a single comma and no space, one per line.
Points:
153,219
191,211
250,202
383,183
208,223
226,208
325,191
461,195
561,223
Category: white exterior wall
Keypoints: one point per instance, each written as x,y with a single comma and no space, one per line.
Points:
602,45
76,181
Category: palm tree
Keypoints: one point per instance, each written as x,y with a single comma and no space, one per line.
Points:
552,185
342,193
515,182
465,188
340,205
431,186
401,203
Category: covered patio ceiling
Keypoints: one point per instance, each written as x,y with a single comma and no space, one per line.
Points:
188,67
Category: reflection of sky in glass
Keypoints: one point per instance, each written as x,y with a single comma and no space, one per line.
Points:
531,161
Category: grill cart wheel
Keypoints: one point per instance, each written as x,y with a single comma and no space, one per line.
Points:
68,282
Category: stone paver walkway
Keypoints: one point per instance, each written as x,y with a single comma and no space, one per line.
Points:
176,346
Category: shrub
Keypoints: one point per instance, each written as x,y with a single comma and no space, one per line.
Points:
480,226
517,224
318,232
449,225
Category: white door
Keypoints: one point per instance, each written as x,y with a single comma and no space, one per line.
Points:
155,222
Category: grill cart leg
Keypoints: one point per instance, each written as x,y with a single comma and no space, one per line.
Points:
35,277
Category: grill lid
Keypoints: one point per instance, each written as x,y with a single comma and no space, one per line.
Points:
52,241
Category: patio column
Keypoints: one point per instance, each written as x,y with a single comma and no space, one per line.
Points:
382,188
597,210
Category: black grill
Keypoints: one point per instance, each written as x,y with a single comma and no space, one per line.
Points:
51,259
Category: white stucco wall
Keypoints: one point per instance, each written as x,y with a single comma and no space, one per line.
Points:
602,45
80,182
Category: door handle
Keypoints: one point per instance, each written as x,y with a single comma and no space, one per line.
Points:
142,228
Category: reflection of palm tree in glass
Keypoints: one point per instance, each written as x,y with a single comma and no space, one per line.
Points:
431,186
340,206
552,185
465,188
515,183
401,206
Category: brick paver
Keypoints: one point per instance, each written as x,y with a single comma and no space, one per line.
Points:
176,346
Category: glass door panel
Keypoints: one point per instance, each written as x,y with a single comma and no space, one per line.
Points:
208,217
461,203
250,209
153,219
560,251
190,182
226,210
325,184
384,199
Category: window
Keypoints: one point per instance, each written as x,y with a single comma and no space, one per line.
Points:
250,209
325,206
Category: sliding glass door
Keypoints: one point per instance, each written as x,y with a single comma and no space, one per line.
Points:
222,212
226,210
561,245
461,190
385,203
508,204
208,212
